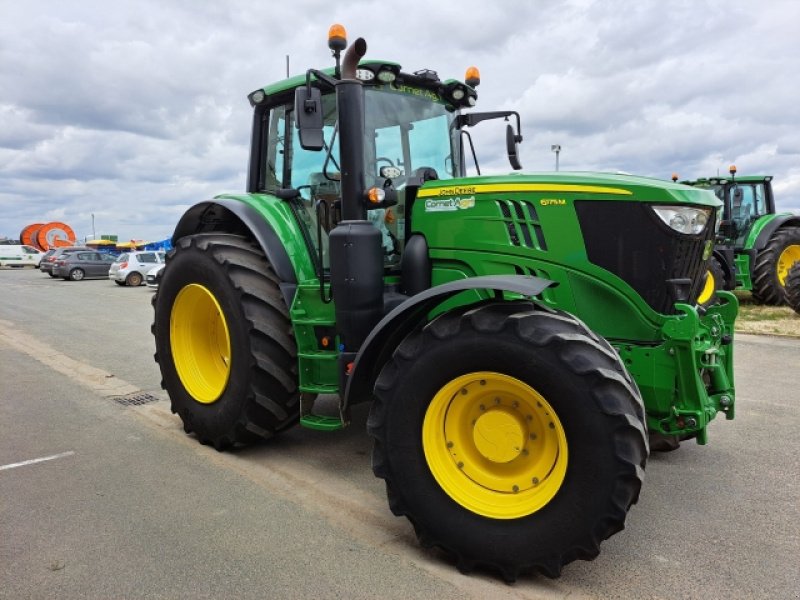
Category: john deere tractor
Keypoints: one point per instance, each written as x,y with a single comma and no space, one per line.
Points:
518,335
755,247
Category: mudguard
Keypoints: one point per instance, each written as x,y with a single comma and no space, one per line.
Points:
783,220
266,236
396,325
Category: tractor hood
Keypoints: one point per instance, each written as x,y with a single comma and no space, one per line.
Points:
586,185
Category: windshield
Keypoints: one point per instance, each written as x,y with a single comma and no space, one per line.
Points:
405,129
409,129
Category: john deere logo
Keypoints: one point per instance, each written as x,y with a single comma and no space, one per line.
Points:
449,204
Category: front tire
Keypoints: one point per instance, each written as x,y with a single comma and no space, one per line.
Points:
76,274
715,280
773,264
224,341
510,436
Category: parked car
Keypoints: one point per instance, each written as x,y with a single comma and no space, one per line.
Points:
82,265
131,267
153,277
19,255
50,257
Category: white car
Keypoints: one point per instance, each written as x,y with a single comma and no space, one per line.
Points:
153,277
131,267
17,255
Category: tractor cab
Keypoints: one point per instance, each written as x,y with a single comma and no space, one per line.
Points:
408,130
412,132
745,199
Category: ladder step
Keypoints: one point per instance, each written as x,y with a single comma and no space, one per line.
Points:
321,422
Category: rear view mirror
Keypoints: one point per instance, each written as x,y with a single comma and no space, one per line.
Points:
512,146
308,116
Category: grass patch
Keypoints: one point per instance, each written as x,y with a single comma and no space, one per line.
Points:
758,318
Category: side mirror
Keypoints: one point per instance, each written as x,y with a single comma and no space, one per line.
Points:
512,147
308,115
738,195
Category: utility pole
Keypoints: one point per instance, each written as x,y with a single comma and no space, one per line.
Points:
556,148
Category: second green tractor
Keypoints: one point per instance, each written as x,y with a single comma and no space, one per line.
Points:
756,246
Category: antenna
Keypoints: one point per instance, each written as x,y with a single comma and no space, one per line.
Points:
287,66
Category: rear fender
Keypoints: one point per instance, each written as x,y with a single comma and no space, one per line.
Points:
233,216
779,221
395,326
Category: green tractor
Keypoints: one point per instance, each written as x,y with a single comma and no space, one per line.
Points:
755,247
517,335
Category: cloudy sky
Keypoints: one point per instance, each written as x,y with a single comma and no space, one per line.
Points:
133,111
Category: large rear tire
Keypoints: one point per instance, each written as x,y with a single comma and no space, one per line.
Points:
793,288
224,341
773,264
510,436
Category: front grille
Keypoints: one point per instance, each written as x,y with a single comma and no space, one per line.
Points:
629,240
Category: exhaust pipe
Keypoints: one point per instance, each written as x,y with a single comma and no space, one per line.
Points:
351,57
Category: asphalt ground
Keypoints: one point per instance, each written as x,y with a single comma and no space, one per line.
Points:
125,505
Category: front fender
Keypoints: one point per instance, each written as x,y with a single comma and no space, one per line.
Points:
401,321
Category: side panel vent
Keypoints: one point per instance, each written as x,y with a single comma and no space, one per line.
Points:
522,223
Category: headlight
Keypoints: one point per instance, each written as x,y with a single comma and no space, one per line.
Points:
684,219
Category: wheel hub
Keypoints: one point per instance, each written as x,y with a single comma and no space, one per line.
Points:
498,435
495,445
201,346
789,256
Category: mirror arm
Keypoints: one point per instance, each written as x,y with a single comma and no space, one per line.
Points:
472,148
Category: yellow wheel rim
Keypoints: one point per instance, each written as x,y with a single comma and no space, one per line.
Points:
494,445
201,344
708,288
789,256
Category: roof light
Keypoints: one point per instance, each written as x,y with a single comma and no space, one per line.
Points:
473,77
458,94
675,177
364,75
257,97
337,37
386,76
732,170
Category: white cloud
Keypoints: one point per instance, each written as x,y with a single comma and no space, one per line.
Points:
134,111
